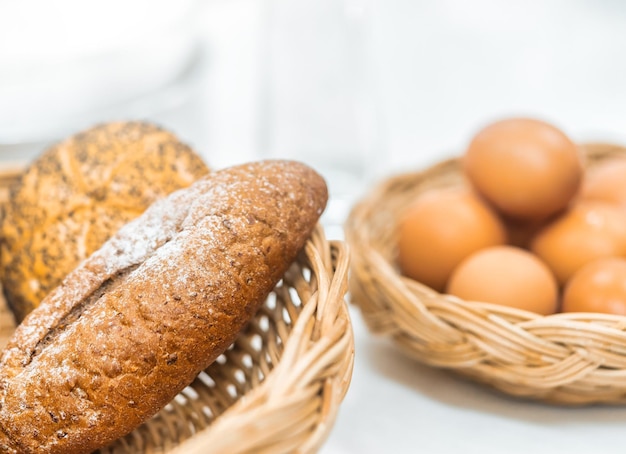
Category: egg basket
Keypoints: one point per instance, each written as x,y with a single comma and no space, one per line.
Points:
278,388
570,359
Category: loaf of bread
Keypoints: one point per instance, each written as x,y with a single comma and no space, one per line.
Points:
78,193
135,323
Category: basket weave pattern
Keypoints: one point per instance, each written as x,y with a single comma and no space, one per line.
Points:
562,358
277,389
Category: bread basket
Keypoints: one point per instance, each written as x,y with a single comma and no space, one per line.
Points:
278,388
571,359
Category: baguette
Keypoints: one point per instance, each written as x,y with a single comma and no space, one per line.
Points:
134,323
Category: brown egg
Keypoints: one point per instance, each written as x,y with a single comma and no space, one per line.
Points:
526,168
508,276
442,228
599,286
588,231
606,182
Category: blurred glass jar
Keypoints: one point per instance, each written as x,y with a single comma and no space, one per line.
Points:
68,64
320,103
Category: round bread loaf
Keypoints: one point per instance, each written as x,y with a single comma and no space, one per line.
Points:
135,323
77,194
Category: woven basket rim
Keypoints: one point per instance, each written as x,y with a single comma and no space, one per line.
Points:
504,347
322,319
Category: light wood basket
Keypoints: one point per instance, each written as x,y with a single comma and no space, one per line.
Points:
569,359
278,388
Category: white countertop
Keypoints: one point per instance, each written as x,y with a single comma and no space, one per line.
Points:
396,405
439,71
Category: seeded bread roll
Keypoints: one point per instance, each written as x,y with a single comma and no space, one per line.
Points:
77,194
141,317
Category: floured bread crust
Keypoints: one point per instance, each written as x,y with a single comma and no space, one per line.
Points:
141,317
77,194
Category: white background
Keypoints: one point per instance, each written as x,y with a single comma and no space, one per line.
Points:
436,70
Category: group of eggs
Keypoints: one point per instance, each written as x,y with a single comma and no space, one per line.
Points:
531,227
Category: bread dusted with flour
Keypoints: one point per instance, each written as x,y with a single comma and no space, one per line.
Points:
77,194
142,316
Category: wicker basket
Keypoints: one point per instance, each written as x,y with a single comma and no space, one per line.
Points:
278,388
562,358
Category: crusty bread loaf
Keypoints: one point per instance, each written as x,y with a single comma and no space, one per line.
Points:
143,315
77,194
